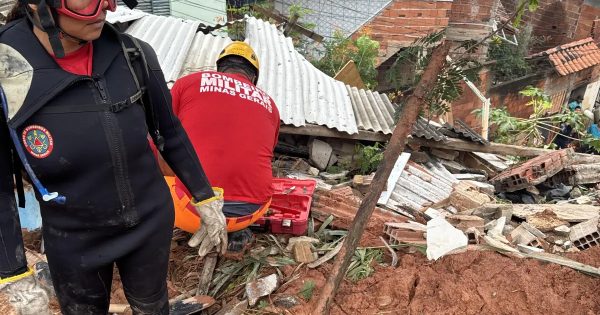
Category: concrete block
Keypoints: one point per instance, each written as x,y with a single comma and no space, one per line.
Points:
585,234
465,222
404,234
320,153
520,235
583,229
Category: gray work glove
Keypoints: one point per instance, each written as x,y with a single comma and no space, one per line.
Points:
213,225
24,295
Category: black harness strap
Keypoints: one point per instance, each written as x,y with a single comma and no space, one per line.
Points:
115,108
136,60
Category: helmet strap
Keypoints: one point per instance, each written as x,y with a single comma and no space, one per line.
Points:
48,23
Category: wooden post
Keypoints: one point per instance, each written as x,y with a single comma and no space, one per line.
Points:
485,119
394,148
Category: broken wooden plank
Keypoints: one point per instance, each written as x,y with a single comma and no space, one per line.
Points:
323,131
566,212
496,148
587,269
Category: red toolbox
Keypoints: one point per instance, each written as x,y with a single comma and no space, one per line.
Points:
290,206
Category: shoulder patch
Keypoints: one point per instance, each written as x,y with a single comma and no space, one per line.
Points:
38,141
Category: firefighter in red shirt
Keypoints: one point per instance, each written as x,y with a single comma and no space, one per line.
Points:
233,127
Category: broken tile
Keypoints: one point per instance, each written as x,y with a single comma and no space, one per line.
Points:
303,253
261,287
443,238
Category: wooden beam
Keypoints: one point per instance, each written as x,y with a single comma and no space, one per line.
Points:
282,19
322,131
496,148
398,141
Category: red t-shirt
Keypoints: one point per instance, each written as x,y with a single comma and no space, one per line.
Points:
233,127
78,62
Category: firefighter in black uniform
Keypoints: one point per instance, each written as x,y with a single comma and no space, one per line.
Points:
83,141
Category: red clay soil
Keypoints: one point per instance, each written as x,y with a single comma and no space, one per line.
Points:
474,282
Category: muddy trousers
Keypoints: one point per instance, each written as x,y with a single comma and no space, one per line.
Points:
81,265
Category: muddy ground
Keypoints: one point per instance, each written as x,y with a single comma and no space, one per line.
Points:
474,282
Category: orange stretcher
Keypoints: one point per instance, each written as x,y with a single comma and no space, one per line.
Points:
187,219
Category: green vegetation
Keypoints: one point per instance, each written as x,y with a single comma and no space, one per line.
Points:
369,157
341,49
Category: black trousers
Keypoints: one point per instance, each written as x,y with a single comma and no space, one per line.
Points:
82,261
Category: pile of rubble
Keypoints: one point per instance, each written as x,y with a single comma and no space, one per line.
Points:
448,200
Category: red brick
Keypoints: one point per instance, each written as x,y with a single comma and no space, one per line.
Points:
443,5
409,22
443,13
442,22
412,4
533,172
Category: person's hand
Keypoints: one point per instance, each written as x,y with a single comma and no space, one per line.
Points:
24,294
213,228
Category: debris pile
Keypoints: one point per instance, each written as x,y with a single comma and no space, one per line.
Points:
451,207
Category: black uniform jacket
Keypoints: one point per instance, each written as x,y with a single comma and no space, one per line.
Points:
100,160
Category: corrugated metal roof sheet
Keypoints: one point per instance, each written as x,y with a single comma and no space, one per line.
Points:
424,129
573,57
461,130
204,52
373,111
170,37
124,14
302,92
419,185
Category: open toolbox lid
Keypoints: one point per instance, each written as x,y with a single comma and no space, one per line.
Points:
289,186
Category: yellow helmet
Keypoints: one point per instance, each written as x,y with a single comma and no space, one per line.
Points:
240,49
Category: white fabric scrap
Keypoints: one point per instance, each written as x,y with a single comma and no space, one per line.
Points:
443,238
